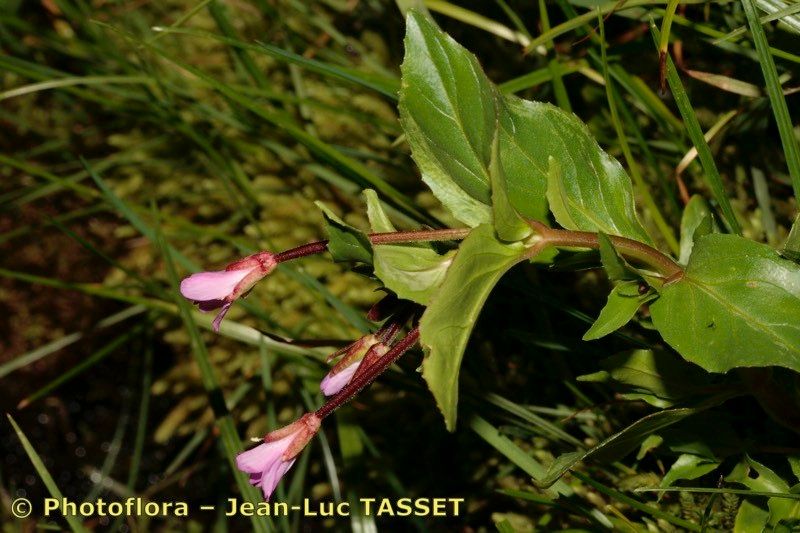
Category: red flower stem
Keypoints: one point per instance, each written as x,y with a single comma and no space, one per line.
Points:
368,376
448,234
312,248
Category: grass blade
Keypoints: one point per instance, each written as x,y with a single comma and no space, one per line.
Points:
711,173
641,186
791,148
47,479
514,453
81,367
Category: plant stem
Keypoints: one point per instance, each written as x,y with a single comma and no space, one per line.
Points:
629,248
317,247
360,381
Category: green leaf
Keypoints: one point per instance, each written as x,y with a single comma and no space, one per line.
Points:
688,467
736,306
346,243
509,225
445,327
750,517
623,442
576,211
697,221
523,162
615,266
663,377
413,271
447,109
623,302
650,443
759,478
378,219
587,189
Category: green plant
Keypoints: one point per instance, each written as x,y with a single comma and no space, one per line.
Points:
502,166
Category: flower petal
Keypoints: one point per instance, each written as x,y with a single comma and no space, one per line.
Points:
331,384
262,457
272,476
205,286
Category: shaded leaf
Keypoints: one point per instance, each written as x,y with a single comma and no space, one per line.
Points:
623,442
660,376
736,306
758,477
697,221
44,474
688,467
445,327
750,517
615,266
515,454
623,302
346,243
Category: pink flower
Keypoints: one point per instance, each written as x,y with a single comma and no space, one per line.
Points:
218,289
270,460
361,353
333,383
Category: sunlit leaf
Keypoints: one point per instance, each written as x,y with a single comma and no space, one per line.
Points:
736,306
446,326
413,271
509,225
447,108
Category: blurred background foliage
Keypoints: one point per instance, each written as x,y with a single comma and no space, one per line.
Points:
215,125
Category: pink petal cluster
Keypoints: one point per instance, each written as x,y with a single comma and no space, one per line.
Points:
269,461
219,289
361,353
